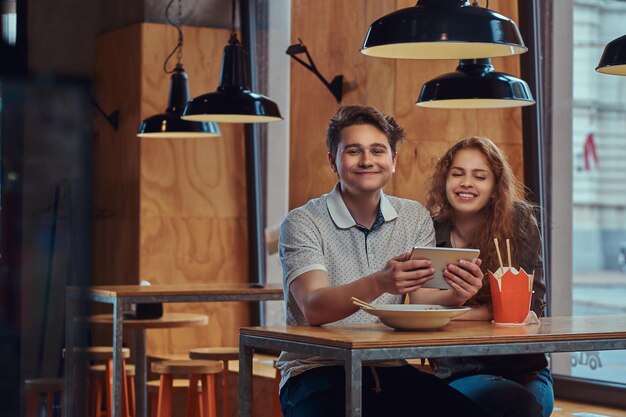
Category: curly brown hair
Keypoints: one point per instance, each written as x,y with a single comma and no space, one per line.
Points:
504,214
348,116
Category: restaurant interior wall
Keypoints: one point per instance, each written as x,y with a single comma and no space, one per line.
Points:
176,208
333,38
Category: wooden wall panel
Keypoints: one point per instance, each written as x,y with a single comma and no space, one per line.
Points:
333,33
193,225
116,159
393,86
175,209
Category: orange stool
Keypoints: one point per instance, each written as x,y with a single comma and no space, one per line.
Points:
105,354
35,387
195,370
223,354
97,379
179,385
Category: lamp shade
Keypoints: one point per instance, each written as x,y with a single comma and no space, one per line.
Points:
613,59
443,29
169,124
476,85
233,102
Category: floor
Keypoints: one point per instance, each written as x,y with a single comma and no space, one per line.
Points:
565,408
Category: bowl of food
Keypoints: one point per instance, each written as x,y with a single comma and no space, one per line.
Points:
414,316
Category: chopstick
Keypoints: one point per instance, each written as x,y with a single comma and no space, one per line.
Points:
362,303
508,252
499,255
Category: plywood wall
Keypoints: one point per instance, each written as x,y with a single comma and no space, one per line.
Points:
175,208
333,31
193,222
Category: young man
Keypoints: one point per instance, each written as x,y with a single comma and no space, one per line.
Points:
353,242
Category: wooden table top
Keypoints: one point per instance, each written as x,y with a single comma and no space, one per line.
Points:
457,332
167,321
179,289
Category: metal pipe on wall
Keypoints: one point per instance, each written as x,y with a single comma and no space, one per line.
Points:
254,195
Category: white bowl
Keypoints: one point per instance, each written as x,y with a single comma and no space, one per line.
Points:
415,316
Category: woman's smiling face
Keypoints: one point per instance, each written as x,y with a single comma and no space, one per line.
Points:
470,182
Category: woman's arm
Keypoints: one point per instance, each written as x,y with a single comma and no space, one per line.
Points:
482,312
464,279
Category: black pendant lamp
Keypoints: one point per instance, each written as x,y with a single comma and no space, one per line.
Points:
233,102
443,29
613,59
169,124
475,85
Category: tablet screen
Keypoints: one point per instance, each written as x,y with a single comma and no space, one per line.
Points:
441,258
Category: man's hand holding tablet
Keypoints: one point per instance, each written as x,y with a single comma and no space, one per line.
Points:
441,258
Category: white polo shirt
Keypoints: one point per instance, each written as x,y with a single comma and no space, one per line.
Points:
323,235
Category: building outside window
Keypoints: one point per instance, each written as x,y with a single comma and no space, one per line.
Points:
599,182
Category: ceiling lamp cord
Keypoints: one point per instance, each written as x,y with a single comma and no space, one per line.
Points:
233,101
178,49
169,124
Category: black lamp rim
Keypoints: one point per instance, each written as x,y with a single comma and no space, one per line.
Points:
496,92
447,103
489,85
399,27
168,123
234,101
607,69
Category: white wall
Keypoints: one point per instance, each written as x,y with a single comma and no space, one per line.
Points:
279,37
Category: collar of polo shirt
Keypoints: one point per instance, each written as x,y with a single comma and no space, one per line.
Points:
341,215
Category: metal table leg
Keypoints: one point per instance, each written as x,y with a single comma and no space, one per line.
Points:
354,369
245,378
69,356
141,373
118,308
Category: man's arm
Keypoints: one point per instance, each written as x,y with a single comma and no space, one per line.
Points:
320,303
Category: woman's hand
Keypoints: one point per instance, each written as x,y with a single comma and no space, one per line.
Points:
465,280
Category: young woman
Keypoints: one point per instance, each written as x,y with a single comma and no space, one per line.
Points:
474,197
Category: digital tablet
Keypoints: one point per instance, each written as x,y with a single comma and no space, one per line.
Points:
441,258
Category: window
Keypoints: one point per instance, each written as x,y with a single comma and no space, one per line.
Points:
597,186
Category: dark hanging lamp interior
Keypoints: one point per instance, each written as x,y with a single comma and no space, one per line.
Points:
233,102
475,85
613,59
443,29
169,124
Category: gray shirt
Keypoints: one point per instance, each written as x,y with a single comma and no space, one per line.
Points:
322,235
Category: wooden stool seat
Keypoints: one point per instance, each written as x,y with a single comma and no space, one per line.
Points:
98,353
177,385
187,367
168,357
196,370
44,384
101,369
215,353
48,386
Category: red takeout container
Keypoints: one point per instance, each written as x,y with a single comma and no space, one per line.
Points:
511,293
